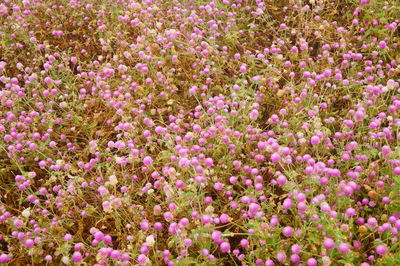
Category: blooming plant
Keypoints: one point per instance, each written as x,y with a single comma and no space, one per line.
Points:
199,132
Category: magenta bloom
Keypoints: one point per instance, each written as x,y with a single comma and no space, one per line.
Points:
344,248
77,257
381,249
329,243
315,140
275,157
288,231
147,160
225,247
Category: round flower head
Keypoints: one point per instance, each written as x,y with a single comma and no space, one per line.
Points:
311,262
281,256
329,243
344,248
147,160
225,247
381,250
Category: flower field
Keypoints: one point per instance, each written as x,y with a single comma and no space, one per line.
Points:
200,132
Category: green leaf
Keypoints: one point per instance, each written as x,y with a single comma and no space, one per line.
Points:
91,125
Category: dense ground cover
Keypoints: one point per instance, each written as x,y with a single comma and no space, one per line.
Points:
226,132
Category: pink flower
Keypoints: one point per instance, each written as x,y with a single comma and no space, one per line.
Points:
147,160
